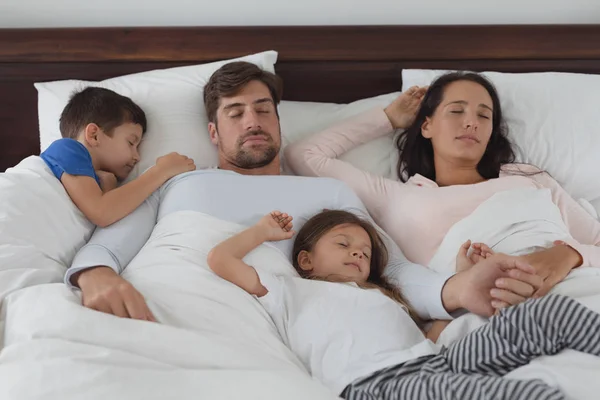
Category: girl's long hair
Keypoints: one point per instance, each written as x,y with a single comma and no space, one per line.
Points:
320,224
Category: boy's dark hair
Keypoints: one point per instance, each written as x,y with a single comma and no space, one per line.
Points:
102,107
231,78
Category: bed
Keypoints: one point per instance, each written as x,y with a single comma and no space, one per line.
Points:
52,348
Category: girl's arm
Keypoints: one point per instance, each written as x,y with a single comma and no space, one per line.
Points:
226,259
436,330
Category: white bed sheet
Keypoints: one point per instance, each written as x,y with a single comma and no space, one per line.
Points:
214,340
517,222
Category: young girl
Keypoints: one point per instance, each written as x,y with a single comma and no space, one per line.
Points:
353,331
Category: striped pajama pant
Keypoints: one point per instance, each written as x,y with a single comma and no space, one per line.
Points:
472,368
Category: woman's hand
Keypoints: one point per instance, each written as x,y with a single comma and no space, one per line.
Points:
494,282
275,226
553,264
403,111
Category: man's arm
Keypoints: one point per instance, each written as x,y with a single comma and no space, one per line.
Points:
421,286
96,267
434,296
116,245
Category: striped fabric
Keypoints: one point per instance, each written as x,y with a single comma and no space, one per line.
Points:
472,367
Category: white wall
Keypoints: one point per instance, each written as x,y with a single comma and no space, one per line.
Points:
77,13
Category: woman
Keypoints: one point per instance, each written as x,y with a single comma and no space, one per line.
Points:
454,155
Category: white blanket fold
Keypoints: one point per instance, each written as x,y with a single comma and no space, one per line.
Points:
518,222
514,222
40,227
214,341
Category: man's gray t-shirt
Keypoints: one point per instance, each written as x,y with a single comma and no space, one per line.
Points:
244,199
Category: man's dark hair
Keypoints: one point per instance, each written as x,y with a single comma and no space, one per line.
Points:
231,78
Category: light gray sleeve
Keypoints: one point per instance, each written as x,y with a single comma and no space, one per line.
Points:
421,286
116,245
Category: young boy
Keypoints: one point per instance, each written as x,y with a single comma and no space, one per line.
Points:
101,132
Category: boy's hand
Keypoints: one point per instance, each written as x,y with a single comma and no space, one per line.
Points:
174,164
276,226
108,181
465,261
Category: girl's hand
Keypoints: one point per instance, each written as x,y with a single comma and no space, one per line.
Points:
479,252
276,226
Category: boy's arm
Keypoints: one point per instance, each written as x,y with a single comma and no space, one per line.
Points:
104,209
225,260
108,181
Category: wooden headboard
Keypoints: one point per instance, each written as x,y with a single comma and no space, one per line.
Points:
321,63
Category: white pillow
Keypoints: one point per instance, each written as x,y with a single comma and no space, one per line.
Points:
553,119
171,98
301,119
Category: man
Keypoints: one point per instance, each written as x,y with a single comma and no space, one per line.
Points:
241,103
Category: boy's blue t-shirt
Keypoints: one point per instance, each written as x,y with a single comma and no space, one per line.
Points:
70,156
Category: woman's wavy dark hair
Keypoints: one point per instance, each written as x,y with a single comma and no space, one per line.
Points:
416,152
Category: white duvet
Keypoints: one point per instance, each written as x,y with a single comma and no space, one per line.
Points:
213,341
517,222
40,228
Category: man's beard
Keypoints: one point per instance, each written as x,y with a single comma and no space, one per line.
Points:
251,158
